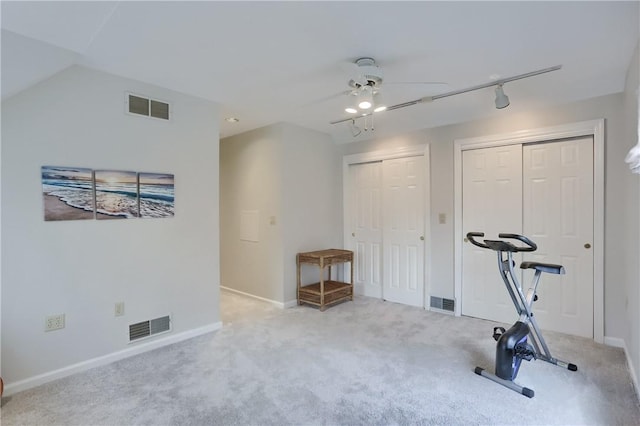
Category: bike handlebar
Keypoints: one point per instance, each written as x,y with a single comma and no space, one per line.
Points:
500,245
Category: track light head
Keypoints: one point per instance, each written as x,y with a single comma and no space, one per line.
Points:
502,100
355,130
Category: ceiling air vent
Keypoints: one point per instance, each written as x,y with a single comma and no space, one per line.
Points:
142,105
149,328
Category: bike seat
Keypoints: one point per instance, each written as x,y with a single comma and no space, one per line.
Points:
543,267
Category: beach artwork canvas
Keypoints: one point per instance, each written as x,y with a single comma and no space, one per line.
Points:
67,193
157,195
116,194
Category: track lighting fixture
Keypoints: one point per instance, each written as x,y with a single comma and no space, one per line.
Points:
355,130
502,100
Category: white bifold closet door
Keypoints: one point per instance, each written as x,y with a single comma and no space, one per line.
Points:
365,195
403,232
387,220
558,216
491,203
543,191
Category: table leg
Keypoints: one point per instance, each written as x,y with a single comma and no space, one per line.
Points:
351,282
298,279
321,284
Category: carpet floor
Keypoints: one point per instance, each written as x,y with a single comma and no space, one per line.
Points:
365,362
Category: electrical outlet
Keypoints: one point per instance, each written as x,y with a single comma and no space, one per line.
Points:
119,309
54,322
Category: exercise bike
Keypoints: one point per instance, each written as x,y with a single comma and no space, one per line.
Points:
523,341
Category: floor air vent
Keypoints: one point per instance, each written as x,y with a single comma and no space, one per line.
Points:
442,303
149,328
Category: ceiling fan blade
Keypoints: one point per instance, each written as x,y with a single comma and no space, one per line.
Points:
326,98
435,84
350,68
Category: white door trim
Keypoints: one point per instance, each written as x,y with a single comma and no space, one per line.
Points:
367,157
594,128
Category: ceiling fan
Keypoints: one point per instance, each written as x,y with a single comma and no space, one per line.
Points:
365,98
366,82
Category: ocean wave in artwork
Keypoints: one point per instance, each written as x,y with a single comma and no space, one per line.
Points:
155,209
157,195
116,205
67,193
77,197
116,194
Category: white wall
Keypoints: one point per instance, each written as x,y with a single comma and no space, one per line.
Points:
617,224
631,250
82,268
289,174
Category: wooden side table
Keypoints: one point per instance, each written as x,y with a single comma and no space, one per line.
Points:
325,292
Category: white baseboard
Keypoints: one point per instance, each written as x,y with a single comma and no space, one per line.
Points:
286,305
616,342
21,385
620,343
291,304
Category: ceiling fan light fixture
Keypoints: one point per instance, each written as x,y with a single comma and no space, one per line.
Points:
502,100
365,97
379,104
365,104
351,110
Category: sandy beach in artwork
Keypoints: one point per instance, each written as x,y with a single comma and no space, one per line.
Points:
55,209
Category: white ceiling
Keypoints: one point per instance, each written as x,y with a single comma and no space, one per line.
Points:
267,62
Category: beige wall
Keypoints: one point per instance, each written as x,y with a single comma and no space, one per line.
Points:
291,175
251,180
312,202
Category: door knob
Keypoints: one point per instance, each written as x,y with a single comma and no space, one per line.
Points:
353,234
422,238
587,246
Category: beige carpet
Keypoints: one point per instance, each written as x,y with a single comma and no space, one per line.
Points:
365,362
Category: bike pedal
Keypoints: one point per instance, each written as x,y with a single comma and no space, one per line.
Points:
525,351
497,332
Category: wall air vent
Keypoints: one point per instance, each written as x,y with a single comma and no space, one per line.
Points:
142,105
442,304
149,328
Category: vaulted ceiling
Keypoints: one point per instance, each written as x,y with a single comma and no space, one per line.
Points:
266,62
